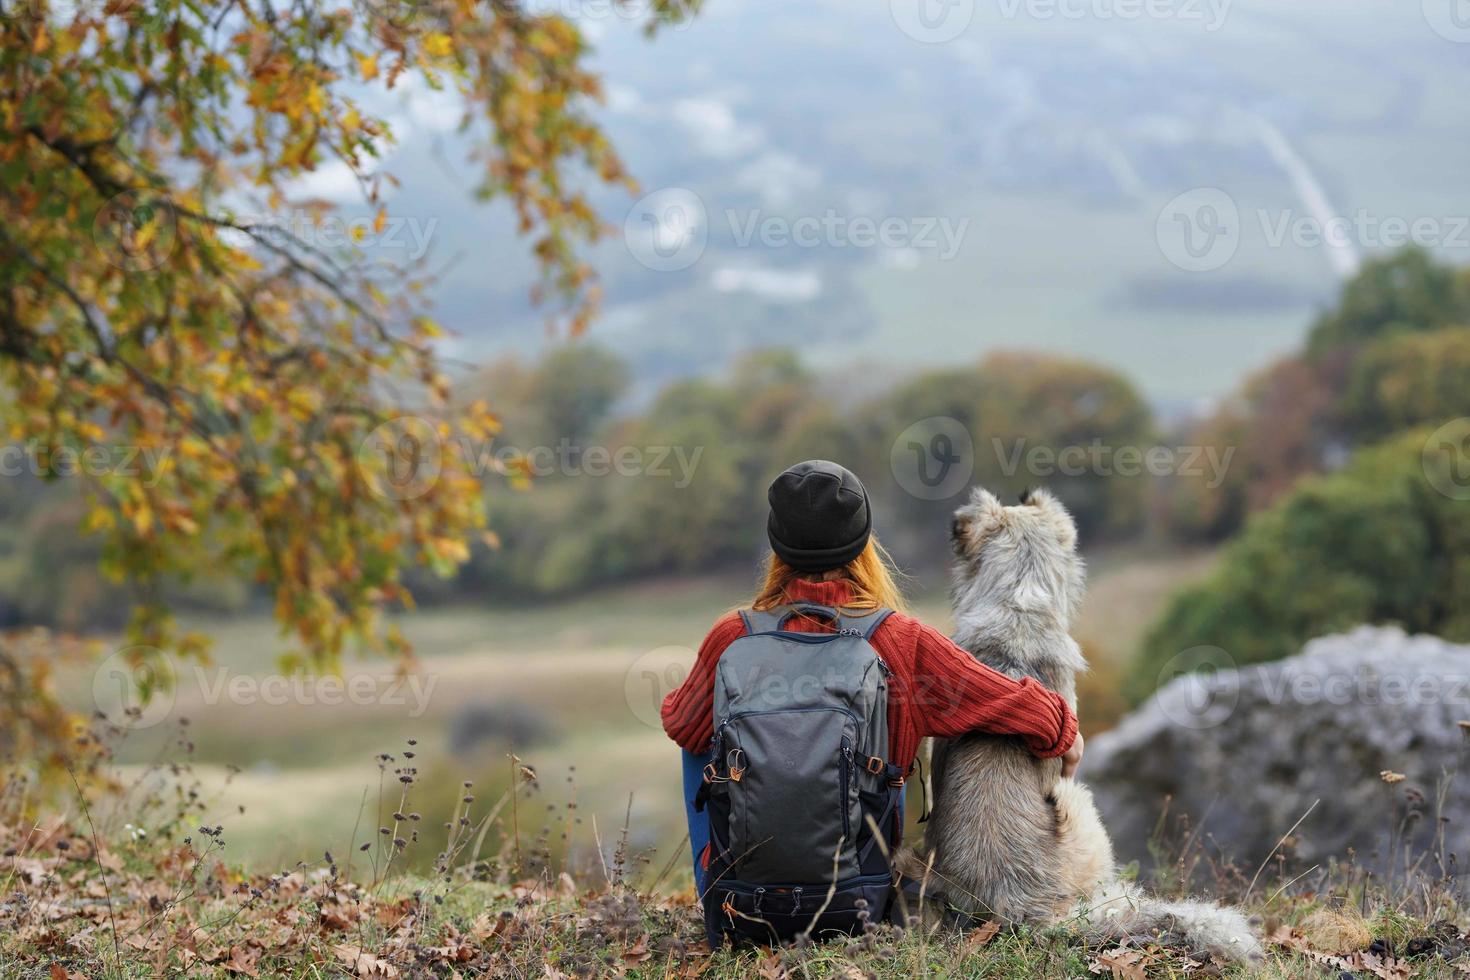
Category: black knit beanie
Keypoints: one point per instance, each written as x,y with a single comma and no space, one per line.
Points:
819,516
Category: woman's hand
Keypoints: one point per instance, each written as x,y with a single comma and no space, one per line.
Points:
1072,759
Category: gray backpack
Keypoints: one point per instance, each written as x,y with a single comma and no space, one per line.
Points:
798,781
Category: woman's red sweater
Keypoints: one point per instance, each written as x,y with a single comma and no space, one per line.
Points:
938,689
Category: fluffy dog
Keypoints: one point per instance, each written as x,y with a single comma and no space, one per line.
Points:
1008,837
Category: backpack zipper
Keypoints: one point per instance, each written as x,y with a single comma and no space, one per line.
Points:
846,782
730,719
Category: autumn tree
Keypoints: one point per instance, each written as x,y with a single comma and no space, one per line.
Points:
1408,380
1275,430
148,298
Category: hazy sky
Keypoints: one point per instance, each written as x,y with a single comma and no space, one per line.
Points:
1172,187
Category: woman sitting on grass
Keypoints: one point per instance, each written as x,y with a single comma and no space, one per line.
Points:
795,752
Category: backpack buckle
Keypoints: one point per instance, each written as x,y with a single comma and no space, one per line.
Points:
875,766
712,775
735,762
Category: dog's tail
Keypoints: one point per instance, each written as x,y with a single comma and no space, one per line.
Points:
1117,910
1120,911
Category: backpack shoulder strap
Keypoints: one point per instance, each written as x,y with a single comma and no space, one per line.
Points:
867,623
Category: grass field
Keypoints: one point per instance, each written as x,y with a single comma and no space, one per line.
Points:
170,909
573,687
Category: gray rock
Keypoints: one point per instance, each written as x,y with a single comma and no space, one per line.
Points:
1247,751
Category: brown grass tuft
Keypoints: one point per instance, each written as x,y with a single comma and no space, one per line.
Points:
1337,931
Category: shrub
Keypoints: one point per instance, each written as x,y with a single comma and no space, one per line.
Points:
1373,543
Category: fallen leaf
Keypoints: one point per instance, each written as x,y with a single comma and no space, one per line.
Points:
771,968
364,964
981,935
1122,964
334,918
242,961
639,951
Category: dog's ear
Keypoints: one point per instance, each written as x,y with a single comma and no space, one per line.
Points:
974,521
1057,516
986,506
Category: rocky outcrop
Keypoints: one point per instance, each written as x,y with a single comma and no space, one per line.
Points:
1246,752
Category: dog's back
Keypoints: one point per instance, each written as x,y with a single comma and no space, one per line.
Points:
994,827
994,830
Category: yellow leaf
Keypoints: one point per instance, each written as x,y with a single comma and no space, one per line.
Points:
99,519
367,64
437,45
380,221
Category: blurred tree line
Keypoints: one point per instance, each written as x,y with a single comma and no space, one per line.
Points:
1347,500
677,484
702,451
